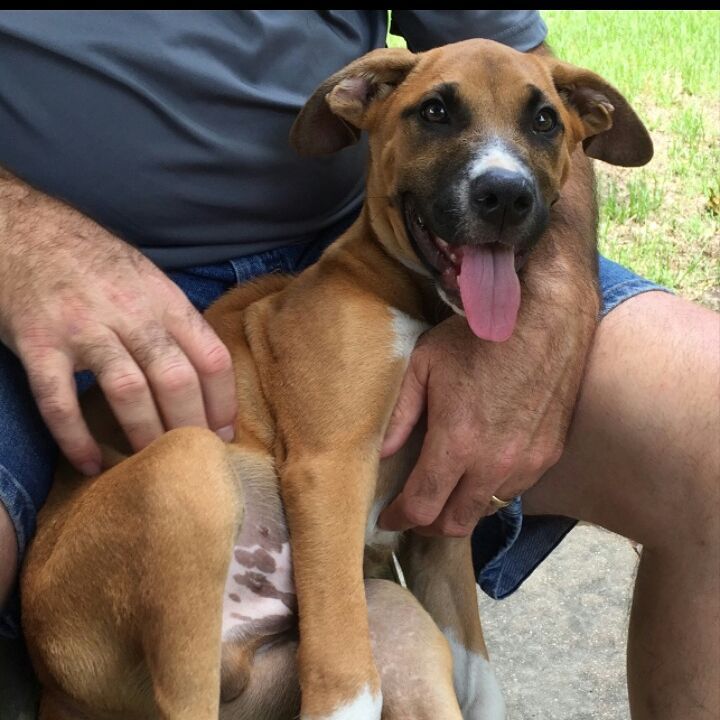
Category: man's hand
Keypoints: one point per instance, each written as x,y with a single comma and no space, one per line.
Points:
74,297
498,413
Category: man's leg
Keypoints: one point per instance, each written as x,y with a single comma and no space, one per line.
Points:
643,460
27,458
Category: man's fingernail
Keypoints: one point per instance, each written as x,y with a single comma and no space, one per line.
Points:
226,433
90,468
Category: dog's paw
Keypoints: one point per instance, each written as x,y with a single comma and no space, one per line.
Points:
476,685
365,706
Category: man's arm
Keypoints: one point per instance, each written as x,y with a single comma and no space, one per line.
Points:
498,414
74,297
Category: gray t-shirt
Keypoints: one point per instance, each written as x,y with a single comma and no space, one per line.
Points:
170,128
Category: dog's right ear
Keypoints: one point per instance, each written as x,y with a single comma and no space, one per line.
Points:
339,109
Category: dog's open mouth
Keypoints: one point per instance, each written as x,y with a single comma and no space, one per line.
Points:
480,278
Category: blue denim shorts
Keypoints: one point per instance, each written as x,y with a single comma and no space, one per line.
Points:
507,546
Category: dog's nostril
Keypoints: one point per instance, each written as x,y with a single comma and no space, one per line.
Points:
523,203
489,201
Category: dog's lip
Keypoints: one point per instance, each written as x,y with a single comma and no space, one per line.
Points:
443,258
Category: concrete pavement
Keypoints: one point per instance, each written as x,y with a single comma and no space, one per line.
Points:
558,644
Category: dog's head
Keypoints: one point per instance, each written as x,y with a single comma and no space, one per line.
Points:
470,145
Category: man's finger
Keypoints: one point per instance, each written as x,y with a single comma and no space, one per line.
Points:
127,391
408,407
53,386
426,490
212,362
467,504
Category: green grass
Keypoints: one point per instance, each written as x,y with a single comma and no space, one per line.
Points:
660,53
662,220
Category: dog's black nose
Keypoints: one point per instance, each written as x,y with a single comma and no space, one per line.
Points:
502,197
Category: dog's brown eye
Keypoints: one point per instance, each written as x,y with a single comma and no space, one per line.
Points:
545,120
434,111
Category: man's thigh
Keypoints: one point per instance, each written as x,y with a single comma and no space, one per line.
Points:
27,458
643,444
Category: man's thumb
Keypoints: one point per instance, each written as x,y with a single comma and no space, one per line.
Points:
408,407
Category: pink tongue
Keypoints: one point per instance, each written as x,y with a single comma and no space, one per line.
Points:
490,290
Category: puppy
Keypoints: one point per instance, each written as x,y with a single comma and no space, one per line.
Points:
169,579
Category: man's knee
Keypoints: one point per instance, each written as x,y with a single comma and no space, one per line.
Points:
8,555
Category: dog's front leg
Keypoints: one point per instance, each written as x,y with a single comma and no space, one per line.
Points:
439,572
326,501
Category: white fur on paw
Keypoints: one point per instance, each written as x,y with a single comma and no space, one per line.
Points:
366,706
476,685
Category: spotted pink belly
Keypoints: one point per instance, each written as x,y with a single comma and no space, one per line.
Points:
259,597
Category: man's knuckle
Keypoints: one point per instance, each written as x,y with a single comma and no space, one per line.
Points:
503,466
99,350
542,458
216,360
555,452
477,503
141,433
150,343
57,410
453,528
78,449
35,343
45,387
430,482
175,378
460,451
126,386
420,514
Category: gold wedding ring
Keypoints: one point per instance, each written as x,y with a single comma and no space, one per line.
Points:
497,503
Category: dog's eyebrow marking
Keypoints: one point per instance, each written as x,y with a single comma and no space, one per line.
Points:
535,97
449,93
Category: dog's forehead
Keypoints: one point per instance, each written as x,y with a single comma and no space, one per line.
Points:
482,70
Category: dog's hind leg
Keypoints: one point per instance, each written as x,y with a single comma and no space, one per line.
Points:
413,657
123,589
409,650
439,573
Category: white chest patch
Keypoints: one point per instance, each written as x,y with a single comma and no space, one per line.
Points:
406,330
365,706
476,685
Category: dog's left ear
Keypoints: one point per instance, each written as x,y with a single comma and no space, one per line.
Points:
609,128
338,110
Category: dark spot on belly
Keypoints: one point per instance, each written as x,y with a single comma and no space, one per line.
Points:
260,559
234,597
261,585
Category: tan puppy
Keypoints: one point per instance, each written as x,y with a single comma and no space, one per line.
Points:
130,609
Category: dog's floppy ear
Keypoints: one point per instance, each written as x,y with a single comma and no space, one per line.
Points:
609,128
336,112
